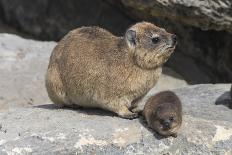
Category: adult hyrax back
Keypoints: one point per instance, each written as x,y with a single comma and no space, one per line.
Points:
90,67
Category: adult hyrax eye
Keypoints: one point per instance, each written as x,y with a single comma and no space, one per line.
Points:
155,40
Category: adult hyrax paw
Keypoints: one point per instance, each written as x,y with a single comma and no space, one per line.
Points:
129,115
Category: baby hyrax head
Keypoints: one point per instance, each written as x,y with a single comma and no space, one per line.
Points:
151,46
166,120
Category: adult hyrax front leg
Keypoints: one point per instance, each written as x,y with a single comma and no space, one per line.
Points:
90,67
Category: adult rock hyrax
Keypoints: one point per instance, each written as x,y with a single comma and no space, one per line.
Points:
90,67
163,113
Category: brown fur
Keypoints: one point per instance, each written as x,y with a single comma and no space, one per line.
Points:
90,67
160,107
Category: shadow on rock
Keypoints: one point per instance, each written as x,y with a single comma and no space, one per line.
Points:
87,111
225,100
48,106
156,135
169,72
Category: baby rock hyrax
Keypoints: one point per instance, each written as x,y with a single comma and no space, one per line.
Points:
163,113
90,67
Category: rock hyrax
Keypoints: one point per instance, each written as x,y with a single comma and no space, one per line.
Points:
163,113
90,67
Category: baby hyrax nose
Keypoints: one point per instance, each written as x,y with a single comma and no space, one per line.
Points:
166,124
174,39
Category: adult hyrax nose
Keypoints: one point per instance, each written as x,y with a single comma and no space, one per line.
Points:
174,39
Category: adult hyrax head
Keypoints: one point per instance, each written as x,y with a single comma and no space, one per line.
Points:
163,113
90,67
151,45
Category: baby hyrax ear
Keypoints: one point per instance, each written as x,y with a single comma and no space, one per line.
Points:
156,111
131,38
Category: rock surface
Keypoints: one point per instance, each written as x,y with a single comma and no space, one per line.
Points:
206,129
213,14
22,66
31,124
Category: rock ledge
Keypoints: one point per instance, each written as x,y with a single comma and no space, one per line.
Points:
45,129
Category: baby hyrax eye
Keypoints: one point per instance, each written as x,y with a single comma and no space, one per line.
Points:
155,40
161,121
171,118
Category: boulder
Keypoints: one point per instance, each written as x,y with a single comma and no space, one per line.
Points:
46,129
207,15
51,20
23,65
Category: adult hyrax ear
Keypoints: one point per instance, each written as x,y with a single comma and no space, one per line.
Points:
131,38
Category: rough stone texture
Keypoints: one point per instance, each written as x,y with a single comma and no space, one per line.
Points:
205,14
51,20
23,65
206,129
170,80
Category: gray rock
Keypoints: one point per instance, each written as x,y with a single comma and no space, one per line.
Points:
23,64
169,79
206,129
213,14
